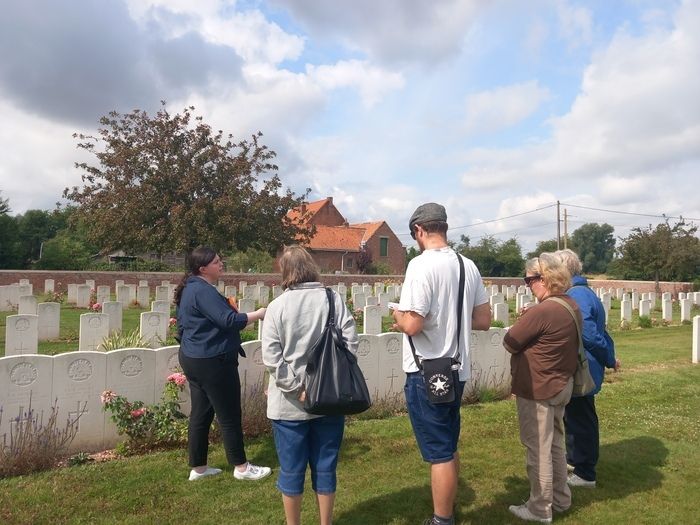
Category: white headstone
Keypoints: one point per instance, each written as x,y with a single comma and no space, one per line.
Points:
359,300
644,308
391,377
72,291
372,323
143,282
496,298
220,286
25,289
5,299
230,291
165,283
78,381
49,321
114,311
666,296
500,313
143,296
154,328
355,288
372,301
246,305
90,283
685,309
48,285
264,295
118,283
124,295
27,305
82,296
93,329
666,309
695,356
635,300
682,295
162,293
276,291
21,334
103,294
161,306
368,359
626,310
378,288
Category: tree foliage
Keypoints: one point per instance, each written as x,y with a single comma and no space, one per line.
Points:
595,246
364,260
662,253
169,183
492,257
251,260
543,246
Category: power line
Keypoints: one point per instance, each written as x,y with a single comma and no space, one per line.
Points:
662,216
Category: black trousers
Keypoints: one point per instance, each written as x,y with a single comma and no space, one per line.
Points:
215,388
582,436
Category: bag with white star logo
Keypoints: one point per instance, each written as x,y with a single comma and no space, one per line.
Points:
439,378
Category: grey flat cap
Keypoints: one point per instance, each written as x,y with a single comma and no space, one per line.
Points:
428,212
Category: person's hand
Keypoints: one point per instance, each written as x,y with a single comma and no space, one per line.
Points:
302,395
260,313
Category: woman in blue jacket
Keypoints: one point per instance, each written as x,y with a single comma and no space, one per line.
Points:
580,418
210,342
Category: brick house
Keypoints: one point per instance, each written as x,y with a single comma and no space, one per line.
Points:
336,245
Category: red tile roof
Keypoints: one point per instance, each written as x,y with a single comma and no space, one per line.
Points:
340,238
369,227
312,208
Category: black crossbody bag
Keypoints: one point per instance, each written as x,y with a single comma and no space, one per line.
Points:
442,374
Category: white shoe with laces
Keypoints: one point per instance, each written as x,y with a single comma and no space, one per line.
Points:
252,472
522,512
211,471
578,481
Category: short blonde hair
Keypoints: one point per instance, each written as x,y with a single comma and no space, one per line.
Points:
555,276
297,267
570,260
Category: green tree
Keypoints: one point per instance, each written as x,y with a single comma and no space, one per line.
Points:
492,257
4,206
66,251
595,246
10,256
661,253
36,227
169,183
543,246
251,260
364,260
411,253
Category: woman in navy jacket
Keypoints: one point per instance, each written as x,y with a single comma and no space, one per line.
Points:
210,343
580,417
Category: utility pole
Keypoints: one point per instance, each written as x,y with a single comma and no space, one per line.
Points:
566,229
558,227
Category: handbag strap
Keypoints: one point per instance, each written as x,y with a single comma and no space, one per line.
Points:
460,308
331,307
578,326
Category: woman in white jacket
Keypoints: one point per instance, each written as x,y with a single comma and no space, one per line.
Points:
293,323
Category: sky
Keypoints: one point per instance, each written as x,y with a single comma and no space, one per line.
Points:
497,109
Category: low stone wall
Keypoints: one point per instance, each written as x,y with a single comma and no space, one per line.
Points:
75,380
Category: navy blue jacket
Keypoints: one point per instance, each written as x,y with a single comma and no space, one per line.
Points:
207,324
600,349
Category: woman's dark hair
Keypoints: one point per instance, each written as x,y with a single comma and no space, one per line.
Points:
297,267
200,256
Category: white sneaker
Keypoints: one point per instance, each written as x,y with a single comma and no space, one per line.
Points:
211,471
577,481
252,472
522,512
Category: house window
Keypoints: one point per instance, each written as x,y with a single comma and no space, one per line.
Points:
348,262
384,246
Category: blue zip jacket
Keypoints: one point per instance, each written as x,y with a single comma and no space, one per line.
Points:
207,324
600,349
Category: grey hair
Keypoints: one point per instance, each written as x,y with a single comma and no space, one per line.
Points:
570,260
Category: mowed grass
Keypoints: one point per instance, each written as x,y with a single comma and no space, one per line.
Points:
648,471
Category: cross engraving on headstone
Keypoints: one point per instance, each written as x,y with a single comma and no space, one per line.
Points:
392,377
74,415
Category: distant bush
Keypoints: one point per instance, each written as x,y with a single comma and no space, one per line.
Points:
497,324
644,321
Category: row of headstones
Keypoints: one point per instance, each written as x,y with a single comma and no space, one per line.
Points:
24,331
77,379
646,303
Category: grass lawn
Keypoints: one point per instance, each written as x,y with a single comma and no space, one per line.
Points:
648,471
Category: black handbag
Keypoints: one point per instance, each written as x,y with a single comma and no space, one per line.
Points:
334,382
441,375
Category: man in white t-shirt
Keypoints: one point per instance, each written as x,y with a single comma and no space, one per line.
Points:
427,313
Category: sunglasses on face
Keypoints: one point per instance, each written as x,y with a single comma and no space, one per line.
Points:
531,279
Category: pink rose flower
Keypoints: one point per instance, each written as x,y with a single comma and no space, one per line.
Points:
138,412
177,378
107,396
173,321
97,307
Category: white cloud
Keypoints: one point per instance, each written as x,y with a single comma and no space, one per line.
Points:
502,107
575,23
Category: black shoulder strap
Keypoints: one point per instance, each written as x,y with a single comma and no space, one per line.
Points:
460,309
331,307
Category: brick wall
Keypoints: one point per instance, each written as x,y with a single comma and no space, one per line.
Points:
36,277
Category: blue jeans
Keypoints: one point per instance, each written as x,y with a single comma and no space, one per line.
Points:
314,442
582,436
436,427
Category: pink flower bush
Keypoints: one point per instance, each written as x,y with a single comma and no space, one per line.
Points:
138,412
96,307
172,322
107,396
178,378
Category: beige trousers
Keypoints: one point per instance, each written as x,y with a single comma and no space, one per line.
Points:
542,434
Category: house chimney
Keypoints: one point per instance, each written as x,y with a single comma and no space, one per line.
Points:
330,199
303,208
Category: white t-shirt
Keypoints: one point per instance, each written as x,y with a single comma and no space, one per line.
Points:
430,289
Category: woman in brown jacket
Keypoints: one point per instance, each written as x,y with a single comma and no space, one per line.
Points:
544,344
